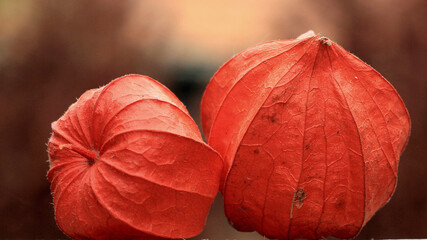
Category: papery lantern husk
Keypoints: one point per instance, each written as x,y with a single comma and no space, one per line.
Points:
128,161
311,138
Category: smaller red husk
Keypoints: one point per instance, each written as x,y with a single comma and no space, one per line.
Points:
127,161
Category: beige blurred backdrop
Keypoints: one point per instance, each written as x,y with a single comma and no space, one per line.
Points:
52,51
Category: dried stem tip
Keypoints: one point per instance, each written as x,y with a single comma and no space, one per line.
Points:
91,156
325,40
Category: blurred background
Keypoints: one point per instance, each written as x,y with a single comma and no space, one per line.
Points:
52,51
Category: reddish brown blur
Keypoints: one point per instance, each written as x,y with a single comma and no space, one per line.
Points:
52,51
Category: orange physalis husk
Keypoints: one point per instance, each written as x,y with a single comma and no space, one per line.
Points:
311,138
128,161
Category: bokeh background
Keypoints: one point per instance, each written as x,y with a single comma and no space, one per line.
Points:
52,51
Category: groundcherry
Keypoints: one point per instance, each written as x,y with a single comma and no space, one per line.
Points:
128,161
310,135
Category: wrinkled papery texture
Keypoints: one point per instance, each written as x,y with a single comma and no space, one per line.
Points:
310,135
128,161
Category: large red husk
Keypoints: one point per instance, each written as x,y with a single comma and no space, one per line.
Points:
127,160
310,135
